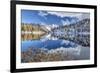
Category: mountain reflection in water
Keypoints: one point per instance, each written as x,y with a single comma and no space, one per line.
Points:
58,44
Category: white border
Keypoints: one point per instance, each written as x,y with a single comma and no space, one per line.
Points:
20,65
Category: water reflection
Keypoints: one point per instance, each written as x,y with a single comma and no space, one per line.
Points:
47,44
71,42
73,38
31,36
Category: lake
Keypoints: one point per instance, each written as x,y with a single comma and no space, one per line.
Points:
52,43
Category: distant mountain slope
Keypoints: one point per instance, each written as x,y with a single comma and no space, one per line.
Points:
33,27
78,32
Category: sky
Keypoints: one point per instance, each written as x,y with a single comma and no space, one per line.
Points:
51,17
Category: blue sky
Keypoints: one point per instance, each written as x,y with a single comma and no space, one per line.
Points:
51,17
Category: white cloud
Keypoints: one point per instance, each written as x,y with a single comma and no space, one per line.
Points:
41,13
71,14
84,16
78,15
65,14
60,14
